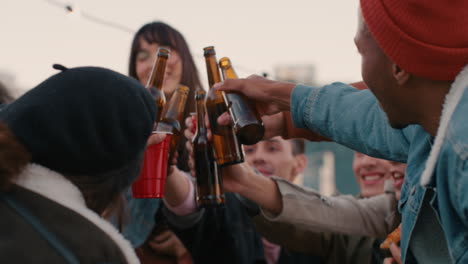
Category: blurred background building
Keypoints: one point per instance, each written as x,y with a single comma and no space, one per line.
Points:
296,73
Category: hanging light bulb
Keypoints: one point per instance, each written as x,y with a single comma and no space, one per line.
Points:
72,10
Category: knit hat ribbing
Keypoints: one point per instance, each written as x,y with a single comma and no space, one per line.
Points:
428,38
85,120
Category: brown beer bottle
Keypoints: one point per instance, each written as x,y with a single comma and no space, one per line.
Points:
247,122
172,117
209,190
156,79
227,147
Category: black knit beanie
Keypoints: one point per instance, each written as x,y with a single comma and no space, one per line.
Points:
83,121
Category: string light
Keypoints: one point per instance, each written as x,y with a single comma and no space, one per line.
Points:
76,12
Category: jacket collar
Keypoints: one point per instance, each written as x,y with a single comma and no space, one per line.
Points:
451,101
56,187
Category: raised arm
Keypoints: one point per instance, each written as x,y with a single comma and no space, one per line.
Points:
349,117
306,214
338,111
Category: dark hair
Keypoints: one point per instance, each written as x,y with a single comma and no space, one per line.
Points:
165,35
103,191
298,146
13,157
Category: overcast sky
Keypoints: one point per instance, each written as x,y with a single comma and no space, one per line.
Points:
257,34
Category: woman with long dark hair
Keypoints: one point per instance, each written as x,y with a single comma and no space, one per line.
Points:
180,68
145,232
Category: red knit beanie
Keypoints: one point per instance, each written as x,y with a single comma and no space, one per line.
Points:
428,38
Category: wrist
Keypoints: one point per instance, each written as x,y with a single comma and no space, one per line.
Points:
273,200
171,170
184,258
181,252
176,188
264,191
283,93
248,179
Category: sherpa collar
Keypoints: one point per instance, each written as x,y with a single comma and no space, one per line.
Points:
451,101
56,187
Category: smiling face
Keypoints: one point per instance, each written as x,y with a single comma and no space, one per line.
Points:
274,157
145,57
370,174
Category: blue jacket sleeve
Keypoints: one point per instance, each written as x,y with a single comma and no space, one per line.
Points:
141,218
350,117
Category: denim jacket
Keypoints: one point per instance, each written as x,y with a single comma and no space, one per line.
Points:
434,207
140,221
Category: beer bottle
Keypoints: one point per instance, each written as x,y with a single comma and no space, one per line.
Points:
247,122
156,79
172,117
227,147
209,190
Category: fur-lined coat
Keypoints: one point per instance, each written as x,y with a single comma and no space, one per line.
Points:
60,208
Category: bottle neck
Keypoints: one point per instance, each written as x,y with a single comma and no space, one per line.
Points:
157,74
201,116
212,69
176,106
229,73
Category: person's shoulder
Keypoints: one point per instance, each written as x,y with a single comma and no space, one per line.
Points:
48,214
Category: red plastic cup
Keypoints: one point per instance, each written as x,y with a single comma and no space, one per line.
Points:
152,179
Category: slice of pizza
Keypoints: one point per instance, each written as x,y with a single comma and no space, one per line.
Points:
393,237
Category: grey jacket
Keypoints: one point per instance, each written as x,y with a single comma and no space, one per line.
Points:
340,229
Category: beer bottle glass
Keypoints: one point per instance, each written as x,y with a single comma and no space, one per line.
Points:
247,122
227,147
151,182
156,79
209,187
172,117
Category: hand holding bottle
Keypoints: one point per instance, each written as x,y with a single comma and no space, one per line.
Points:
232,185
227,147
247,122
275,125
241,178
269,96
